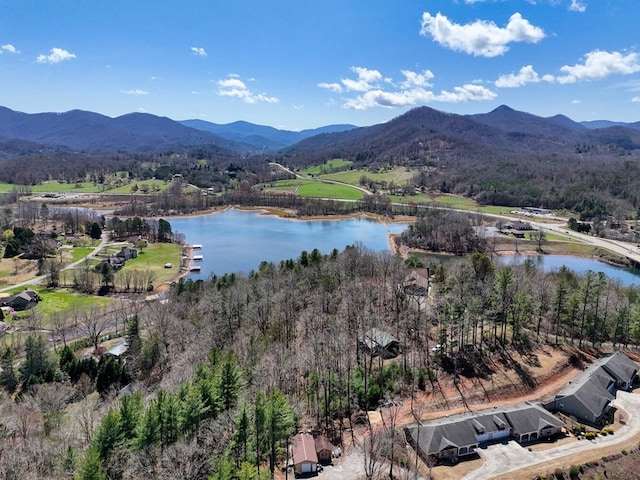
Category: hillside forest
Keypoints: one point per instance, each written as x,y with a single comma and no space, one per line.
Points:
225,371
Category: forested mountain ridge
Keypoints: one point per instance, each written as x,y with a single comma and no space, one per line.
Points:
262,137
91,132
426,133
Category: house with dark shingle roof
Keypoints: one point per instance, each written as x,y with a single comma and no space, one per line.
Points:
589,397
24,300
462,435
531,422
622,368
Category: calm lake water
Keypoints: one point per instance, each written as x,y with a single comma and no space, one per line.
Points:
577,264
238,240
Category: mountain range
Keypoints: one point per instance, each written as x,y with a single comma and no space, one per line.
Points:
415,131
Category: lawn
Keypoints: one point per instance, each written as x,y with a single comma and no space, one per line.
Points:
153,258
60,300
330,166
329,190
79,252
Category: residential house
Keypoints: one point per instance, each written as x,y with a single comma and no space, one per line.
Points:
461,435
303,451
589,397
530,422
621,368
379,343
416,283
24,300
127,253
324,449
116,263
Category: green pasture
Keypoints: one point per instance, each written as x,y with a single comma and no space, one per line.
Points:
329,166
329,190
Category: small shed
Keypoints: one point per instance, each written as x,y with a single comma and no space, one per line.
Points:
324,449
303,451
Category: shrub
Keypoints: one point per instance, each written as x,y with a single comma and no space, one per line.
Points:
624,452
605,459
590,435
574,471
559,474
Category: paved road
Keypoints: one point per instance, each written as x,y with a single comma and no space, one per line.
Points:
37,280
504,458
321,180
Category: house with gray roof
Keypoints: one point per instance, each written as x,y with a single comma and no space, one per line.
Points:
622,368
377,342
530,422
461,435
588,398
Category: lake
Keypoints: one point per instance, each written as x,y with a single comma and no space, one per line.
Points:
578,264
238,240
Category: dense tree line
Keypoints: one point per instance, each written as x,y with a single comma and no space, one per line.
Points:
231,365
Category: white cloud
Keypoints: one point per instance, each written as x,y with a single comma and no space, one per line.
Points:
635,99
577,6
9,48
599,64
481,37
364,81
525,76
134,91
576,102
232,86
415,79
373,90
199,51
334,87
466,93
56,55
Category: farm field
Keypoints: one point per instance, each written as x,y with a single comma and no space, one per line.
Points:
399,176
149,186
313,188
328,167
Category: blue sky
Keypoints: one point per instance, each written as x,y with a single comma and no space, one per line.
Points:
299,64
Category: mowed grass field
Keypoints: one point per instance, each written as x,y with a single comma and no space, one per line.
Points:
398,175
313,188
329,190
